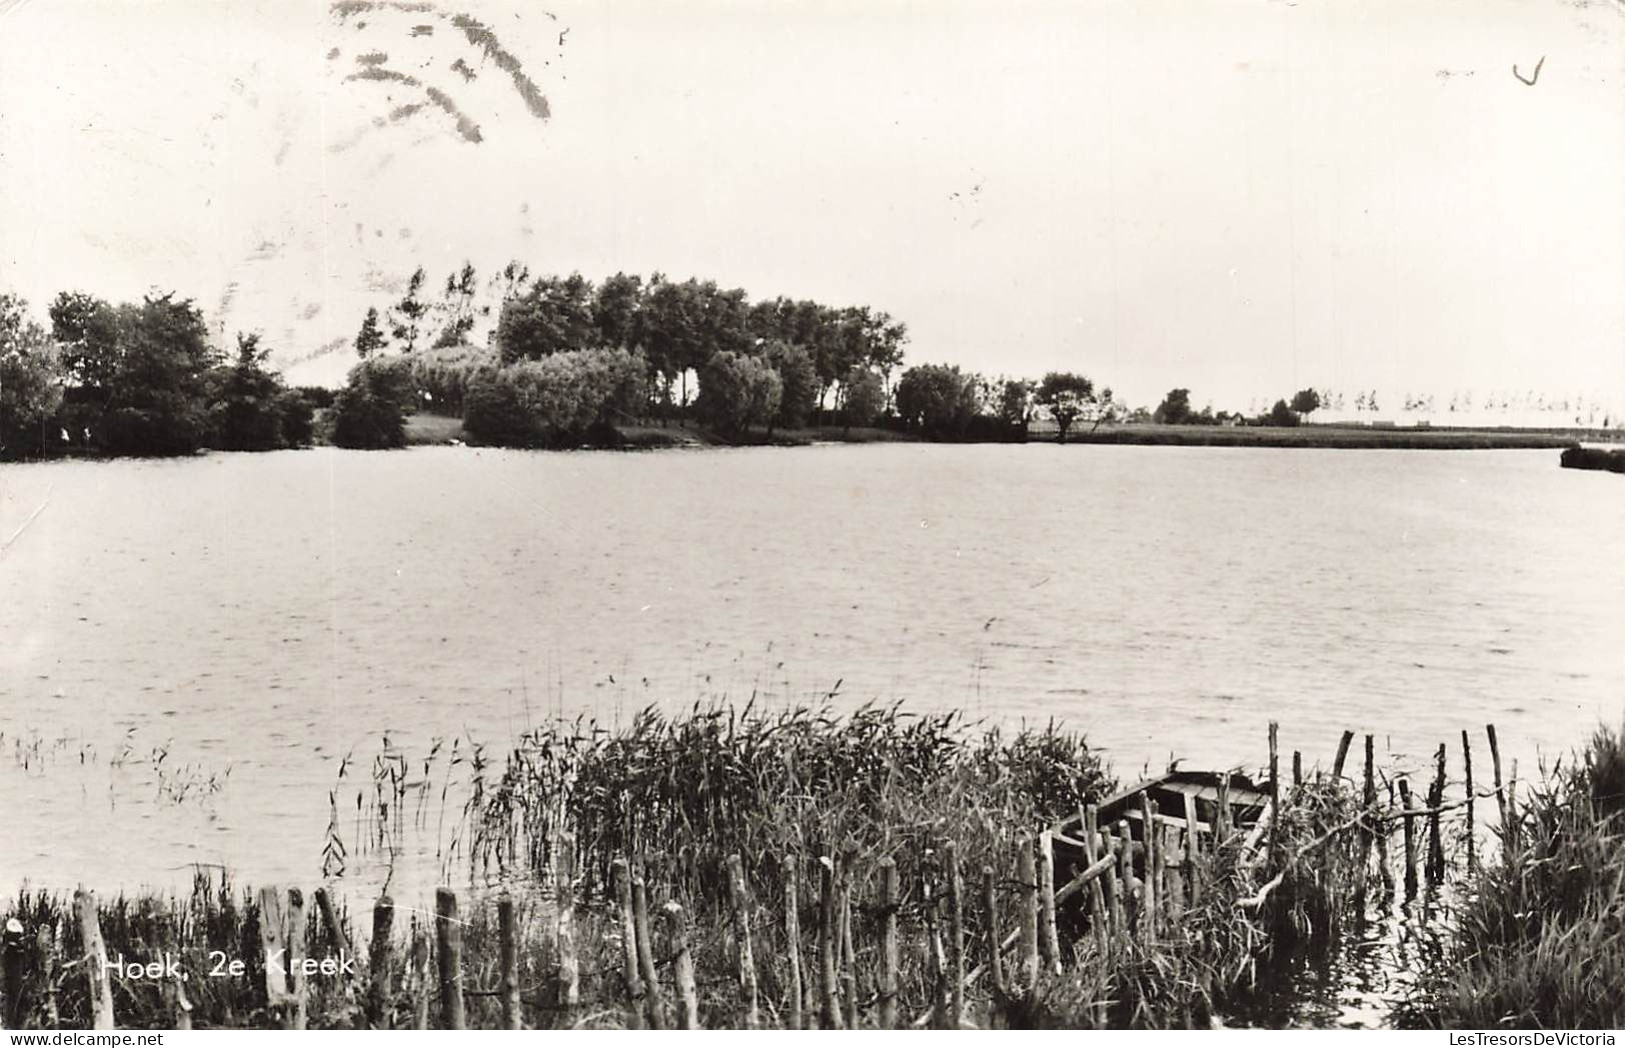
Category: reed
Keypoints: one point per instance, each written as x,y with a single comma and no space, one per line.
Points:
1540,936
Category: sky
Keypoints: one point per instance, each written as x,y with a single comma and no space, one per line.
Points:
1242,197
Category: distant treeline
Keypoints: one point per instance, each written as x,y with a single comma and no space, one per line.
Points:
564,362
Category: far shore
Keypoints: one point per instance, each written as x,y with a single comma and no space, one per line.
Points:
429,429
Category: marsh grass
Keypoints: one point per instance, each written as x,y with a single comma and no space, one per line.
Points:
1540,932
785,790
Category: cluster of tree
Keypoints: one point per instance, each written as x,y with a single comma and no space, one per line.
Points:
680,326
1176,410
136,379
945,403
540,380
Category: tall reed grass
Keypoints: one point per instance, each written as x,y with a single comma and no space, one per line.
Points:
1540,935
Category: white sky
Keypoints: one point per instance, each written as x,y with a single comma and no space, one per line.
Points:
1242,197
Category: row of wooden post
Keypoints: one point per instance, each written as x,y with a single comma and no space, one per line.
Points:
1406,811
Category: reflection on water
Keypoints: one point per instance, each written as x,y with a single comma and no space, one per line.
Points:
1361,978
256,619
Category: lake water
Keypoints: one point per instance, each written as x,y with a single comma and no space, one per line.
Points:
189,648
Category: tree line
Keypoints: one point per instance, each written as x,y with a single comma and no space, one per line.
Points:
138,379
566,359
563,362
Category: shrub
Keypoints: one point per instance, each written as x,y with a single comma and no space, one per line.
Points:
442,374
558,399
737,391
370,412
937,399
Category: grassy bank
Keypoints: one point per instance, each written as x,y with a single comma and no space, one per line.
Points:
1328,436
1540,940
424,428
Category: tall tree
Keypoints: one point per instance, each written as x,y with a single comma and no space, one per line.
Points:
407,316
938,399
247,407
457,306
86,330
370,339
798,379
553,316
30,382
158,403
617,311
1175,409
1065,395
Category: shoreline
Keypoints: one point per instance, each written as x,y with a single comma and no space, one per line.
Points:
432,430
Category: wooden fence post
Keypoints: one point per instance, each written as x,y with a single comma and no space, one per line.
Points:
1342,754
1148,891
1097,894
1224,824
889,958
1195,863
688,1013
564,928
1467,770
11,974
1027,878
653,1000
379,1008
273,943
420,978
792,944
1275,785
995,958
1435,839
1368,800
1116,907
620,875
449,954
1495,762
848,956
508,959
1173,871
1049,939
297,948
1125,870
1512,811
95,960
739,899
956,938
1297,769
828,944
1410,837
937,960
332,922
45,942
